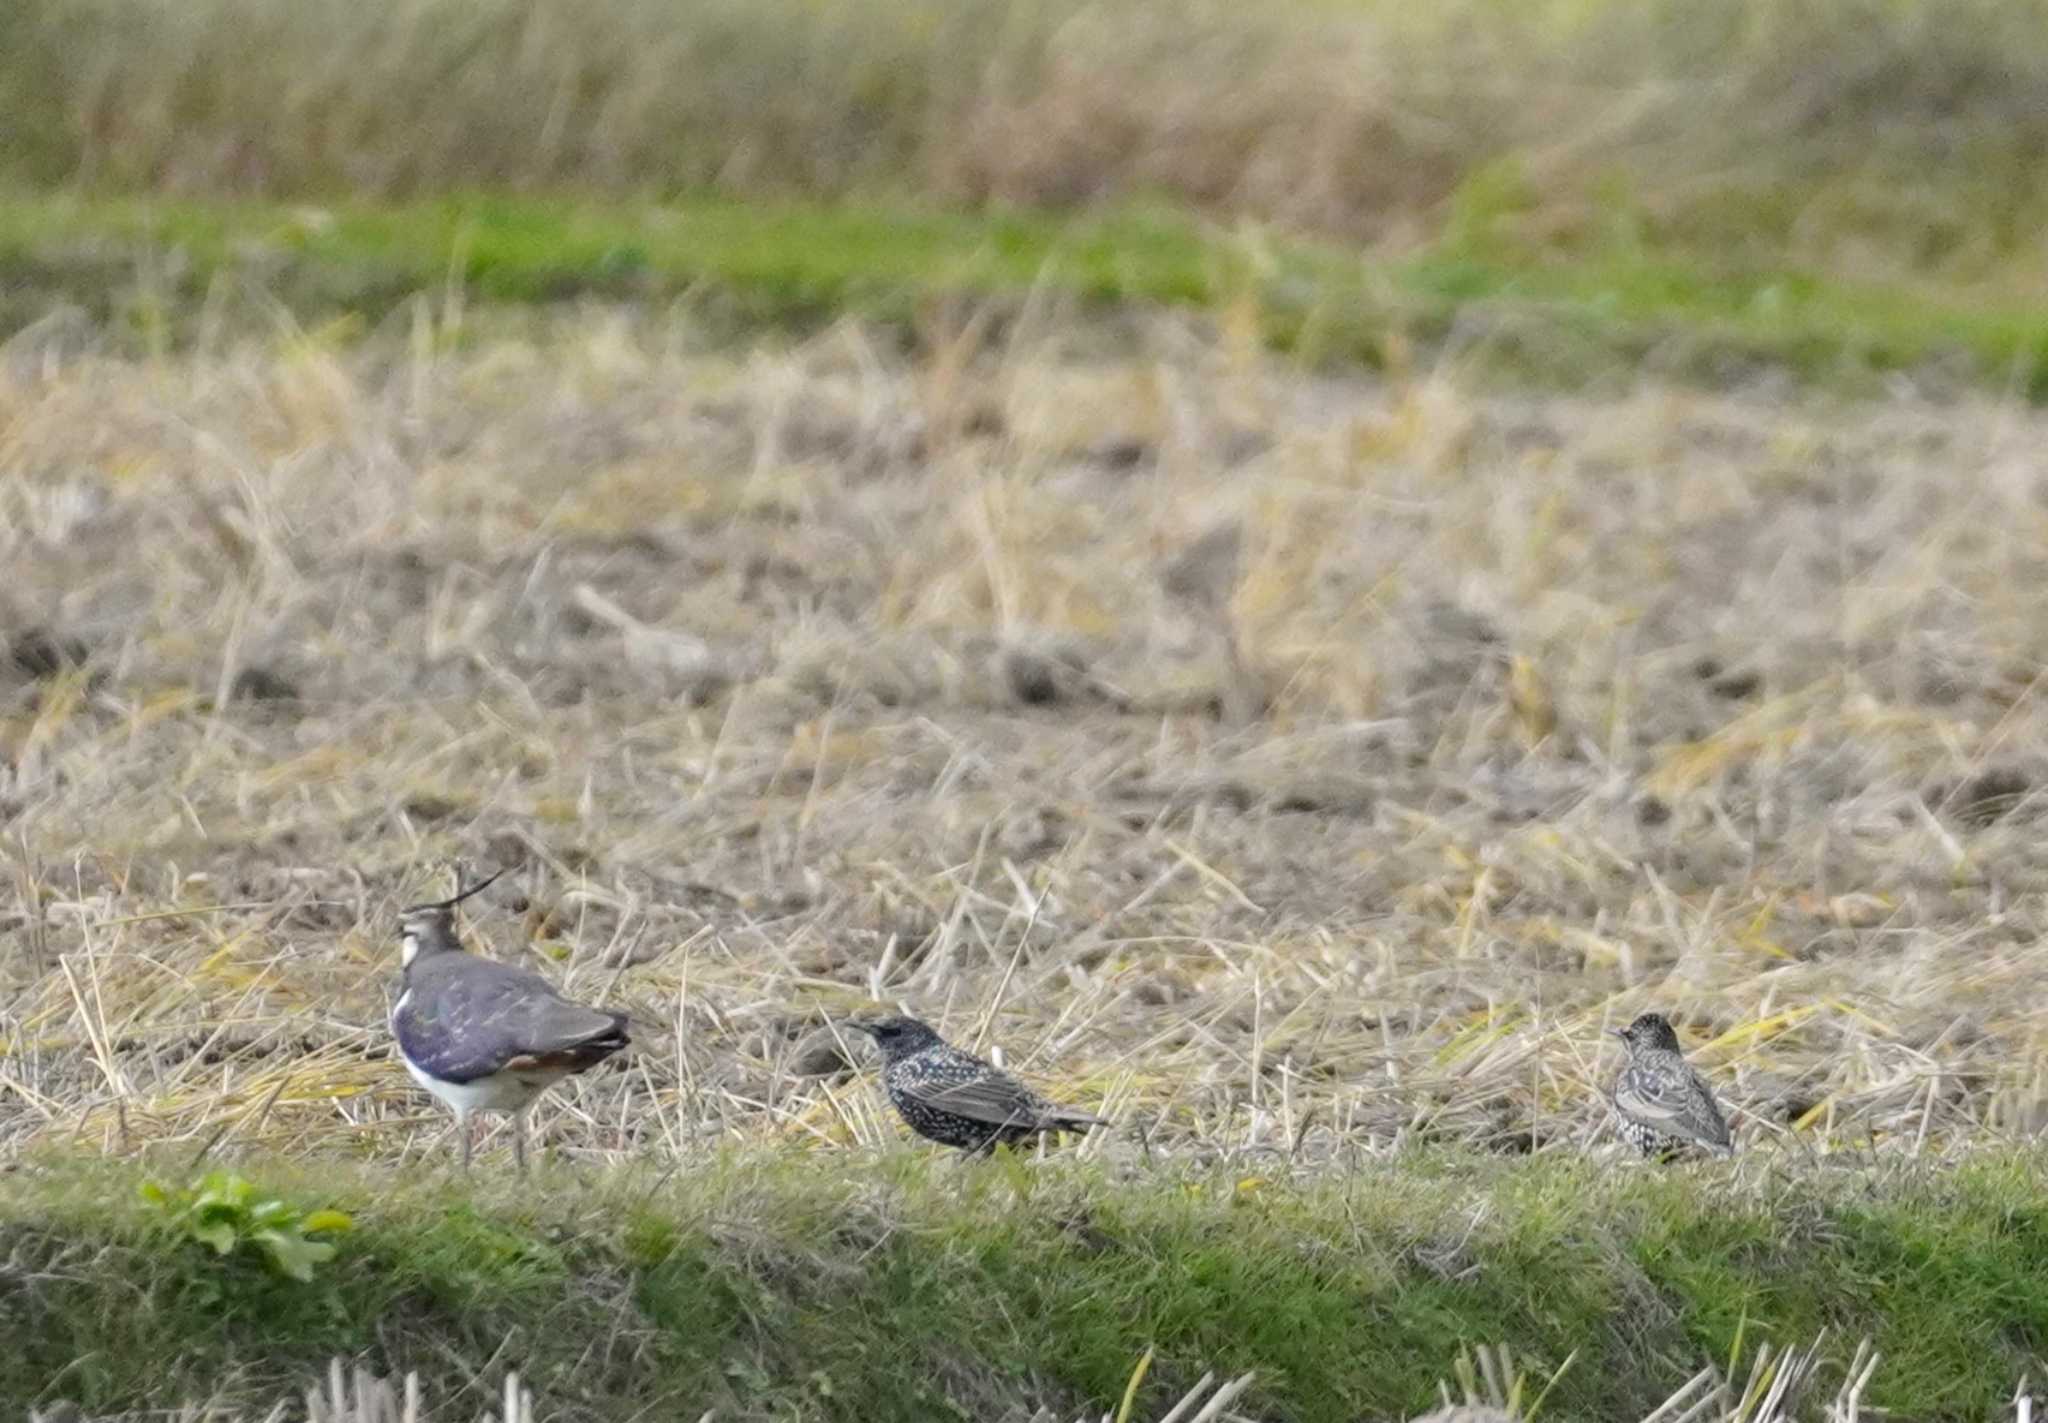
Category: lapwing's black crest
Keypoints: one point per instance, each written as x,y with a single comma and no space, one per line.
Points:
485,1036
1663,1105
955,1098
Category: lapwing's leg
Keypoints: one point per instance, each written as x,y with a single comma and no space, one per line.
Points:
519,1139
462,1126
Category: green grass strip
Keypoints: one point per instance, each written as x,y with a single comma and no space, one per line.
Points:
855,1287
1564,317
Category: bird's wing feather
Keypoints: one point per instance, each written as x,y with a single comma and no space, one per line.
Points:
1676,1102
486,1016
997,1100
1708,1123
1648,1094
1000,1101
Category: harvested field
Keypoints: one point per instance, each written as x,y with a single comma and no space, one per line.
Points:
1301,766
1302,769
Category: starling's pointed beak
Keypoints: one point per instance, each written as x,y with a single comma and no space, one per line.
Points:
859,1027
1621,1033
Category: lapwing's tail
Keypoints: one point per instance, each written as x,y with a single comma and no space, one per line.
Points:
613,1038
574,1038
575,1057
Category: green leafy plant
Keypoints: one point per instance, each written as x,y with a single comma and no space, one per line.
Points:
223,1211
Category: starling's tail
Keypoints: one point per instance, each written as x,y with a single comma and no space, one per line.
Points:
1070,1119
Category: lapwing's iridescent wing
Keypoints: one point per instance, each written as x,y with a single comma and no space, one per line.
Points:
462,1018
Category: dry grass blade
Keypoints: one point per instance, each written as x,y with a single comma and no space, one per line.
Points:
360,1396
1689,1401
1225,1395
1847,1406
365,1399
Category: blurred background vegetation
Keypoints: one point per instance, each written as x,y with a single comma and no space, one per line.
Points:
1833,187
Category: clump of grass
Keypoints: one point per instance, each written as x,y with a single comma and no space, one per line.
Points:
761,1282
1777,1383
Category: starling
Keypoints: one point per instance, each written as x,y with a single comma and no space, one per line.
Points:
955,1098
1662,1104
485,1036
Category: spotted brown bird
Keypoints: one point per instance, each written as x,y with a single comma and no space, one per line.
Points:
954,1098
1662,1104
485,1036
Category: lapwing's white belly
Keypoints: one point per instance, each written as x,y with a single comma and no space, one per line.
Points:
500,1092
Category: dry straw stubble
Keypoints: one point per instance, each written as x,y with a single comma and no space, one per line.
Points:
336,614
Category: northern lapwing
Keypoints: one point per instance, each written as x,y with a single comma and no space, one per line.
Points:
485,1036
954,1098
1664,1106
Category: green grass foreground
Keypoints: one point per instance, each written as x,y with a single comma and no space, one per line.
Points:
903,1287
161,268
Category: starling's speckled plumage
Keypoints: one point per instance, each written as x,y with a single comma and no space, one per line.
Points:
955,1098
482,1035
1662,1104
